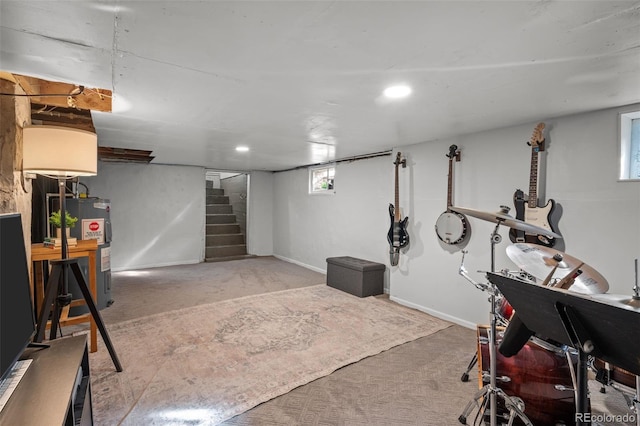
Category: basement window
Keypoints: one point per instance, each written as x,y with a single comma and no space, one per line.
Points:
629,129
321,180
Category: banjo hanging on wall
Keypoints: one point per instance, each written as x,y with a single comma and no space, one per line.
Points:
397,236
451,227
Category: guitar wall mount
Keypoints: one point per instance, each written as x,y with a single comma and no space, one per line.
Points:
394,256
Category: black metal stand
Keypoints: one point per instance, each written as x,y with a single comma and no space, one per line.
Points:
51,300
581,341
490,393
472,363
496,238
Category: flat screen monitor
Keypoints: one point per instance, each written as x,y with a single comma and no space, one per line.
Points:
17,323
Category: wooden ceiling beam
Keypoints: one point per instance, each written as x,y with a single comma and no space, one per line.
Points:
58,116
90,99
124,155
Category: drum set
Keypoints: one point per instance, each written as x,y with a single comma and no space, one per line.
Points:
537,383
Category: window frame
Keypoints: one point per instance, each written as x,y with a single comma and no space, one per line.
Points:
625,122
327,191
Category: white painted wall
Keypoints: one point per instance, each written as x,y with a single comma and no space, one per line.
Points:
157,213
600,217
260,214
353,221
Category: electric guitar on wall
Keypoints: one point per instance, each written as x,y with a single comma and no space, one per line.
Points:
527,208
397,235
451,227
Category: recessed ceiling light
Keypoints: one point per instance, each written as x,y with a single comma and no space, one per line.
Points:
242,148
400,91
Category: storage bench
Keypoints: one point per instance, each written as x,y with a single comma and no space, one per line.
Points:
359,277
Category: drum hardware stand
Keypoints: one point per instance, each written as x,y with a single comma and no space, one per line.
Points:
514,405
463,271
480,286
636,400
631,397
632,401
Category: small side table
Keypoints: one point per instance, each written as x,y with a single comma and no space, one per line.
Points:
84,248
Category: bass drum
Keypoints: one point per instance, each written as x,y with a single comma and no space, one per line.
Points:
532,376
451,228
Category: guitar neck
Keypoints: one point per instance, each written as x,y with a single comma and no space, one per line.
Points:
533,179
450,185
397,200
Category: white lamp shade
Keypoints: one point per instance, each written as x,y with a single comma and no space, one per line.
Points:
59,151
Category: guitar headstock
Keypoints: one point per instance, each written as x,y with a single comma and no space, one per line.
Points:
454,153
537,138
400,160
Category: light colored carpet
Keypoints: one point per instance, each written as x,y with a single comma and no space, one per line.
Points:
205,364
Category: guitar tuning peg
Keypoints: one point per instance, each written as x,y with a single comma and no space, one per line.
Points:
529,143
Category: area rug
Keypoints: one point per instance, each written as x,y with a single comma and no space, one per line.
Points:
206,364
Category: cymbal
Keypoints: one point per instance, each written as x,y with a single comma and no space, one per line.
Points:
627,302
503,218
539,261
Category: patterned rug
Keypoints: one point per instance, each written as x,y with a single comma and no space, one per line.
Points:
206,364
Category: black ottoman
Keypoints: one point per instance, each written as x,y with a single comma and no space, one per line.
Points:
359,277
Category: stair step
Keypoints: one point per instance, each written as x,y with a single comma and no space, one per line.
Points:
219,209
224,251
215,191
217,199
220,218
224,239
223,228
226,258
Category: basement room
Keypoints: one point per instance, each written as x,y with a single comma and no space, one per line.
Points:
319,213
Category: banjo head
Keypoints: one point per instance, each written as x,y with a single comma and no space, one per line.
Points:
451,228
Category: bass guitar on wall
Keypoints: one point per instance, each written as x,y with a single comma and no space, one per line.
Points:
527,208
397,236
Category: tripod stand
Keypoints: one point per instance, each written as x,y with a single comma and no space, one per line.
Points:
56,300
489,393
56,296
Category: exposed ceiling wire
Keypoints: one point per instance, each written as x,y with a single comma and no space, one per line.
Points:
79,90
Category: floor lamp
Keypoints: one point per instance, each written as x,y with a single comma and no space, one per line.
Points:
62,153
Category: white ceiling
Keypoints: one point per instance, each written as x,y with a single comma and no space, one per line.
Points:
300,82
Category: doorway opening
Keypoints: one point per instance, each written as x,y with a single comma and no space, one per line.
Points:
226,215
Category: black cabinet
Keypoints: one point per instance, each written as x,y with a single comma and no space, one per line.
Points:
56,388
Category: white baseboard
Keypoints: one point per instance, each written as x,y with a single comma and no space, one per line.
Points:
304,265
156,265
435,313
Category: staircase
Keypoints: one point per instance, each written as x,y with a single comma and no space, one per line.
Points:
224,239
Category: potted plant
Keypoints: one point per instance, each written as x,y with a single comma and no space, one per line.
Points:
55,220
